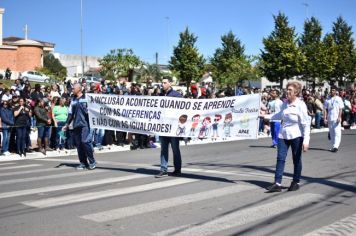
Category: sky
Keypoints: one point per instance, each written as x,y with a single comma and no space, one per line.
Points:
150,26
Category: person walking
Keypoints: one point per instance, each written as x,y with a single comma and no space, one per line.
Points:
274,106
294,133
165,140
333,117
78,113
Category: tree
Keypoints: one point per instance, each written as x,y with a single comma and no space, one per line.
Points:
319,62
119,62
230,62
346,65
186,60
150,71
281,57
53,67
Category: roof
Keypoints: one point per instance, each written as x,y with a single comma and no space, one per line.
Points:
11,40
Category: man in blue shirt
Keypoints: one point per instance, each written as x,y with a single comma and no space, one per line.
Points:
78,113
174,141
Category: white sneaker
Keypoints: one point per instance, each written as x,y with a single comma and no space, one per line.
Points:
7,153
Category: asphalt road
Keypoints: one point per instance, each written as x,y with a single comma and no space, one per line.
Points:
221,192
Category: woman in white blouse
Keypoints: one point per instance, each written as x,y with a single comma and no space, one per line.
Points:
294,133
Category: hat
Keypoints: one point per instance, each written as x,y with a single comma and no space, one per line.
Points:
13,87
5,98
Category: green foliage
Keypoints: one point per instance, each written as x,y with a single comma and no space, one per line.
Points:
346,65
149,71
281,57
320,55
230,63
53,68
186,60
119,62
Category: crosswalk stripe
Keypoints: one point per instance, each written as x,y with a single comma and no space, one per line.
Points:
70,186
74,198
20,167
22,172
345,227
55,176
7,163
185,169
165,203
250,214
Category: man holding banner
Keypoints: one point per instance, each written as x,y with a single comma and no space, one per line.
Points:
165,140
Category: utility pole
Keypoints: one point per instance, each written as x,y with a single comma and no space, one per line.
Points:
81,36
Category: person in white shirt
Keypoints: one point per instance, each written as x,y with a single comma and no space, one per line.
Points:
333,116
294,133
274,106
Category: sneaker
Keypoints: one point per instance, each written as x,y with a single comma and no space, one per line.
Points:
92,166
274,146
7,153
81,167
274,188
161,174
176,173
334,150
294,186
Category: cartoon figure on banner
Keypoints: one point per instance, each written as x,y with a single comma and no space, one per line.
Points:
205,128
215,125
227,125
195,123
181,125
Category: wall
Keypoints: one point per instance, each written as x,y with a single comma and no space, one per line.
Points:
29,57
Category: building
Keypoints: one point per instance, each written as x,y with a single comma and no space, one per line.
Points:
21,54
73,64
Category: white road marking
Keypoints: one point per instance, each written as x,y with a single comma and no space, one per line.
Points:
70,186
165,203
74,198
20,167
250,214
344,227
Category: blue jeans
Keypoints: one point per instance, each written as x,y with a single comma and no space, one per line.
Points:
317,120
177,159
282,151
43,132
21,136
275,127
5,140
99,136
59,134
84,143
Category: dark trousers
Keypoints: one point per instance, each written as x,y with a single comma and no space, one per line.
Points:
282,151
21,137
83,140
177,159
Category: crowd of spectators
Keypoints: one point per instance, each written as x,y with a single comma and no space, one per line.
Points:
44,110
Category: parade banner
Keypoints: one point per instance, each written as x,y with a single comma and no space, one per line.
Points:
219,118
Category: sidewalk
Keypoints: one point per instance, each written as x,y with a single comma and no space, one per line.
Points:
114,148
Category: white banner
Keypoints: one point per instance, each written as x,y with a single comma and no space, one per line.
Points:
220,118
